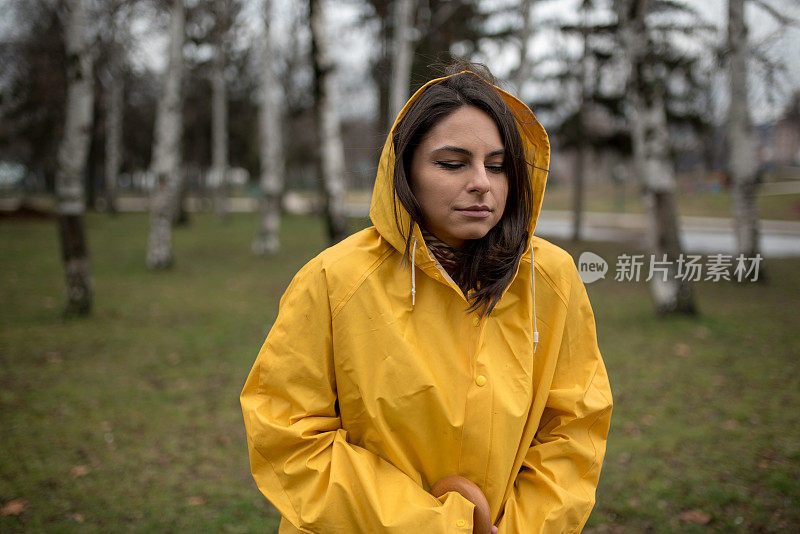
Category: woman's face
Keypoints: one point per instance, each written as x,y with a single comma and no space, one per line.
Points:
458,176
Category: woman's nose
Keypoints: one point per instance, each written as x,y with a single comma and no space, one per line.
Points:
478,180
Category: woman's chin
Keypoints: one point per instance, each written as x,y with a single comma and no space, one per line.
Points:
472,233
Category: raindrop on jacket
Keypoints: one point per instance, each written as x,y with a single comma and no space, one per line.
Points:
374,383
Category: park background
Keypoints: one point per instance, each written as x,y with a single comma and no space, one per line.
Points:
167,166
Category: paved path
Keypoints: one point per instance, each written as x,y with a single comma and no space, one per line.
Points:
703,235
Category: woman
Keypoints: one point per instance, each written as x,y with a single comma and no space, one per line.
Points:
426,346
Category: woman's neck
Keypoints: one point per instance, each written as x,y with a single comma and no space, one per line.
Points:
446,255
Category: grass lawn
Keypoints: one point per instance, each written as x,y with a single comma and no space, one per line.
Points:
130,421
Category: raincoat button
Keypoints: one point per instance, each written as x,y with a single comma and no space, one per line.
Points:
480,380
461,523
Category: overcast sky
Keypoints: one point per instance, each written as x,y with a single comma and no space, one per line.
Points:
353,46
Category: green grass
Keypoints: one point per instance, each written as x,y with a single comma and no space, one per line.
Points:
129,420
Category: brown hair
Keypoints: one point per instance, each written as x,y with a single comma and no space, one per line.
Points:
487,264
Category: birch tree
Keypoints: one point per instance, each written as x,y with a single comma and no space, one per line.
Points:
439,24
402,54
330,147
219,112
743,164
113,39
742,155
166,162
652,158
72,153
271,151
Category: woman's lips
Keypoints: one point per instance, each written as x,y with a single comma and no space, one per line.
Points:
476,212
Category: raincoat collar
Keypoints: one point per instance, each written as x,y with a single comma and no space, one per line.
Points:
384,201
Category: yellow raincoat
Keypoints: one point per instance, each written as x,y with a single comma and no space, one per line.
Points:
374,383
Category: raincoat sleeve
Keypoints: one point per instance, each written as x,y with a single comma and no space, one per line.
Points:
554,491
299,454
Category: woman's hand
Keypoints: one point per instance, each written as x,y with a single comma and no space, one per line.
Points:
482,517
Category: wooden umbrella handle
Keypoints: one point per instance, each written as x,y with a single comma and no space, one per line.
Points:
482,517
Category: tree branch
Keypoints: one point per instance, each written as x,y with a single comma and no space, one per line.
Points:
777,15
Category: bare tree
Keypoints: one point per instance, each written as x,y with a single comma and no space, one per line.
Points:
581,162
521,74
651,156
114,102
72,154
166,162
439,24
272,166
331,149
113,41
580,76
742,157
402,54
742,160
219,106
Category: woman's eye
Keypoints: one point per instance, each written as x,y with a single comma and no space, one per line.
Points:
495,168
447,165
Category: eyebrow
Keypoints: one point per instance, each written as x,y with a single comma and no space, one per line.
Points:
466,152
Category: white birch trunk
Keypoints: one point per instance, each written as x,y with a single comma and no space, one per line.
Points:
331,148
267,240
652,158
219,128
114,117
402,54
742,163
166,162
72,154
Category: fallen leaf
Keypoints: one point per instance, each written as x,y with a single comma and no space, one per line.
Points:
14,507
78,518
695,516
196,501
80,471
701,332
730,424
682,349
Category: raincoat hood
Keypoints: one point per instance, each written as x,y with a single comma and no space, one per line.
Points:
384,201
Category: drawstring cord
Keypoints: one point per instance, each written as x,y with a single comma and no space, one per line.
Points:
413,272
533,298
533,289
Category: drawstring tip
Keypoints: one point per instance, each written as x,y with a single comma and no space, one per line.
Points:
535,341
